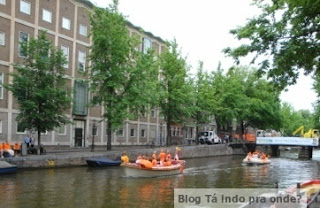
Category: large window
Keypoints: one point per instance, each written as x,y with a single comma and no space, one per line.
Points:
3,2
23,38
66,23
82,61
83,30
65,51
2,38
120,133
1,87
153,113
46,15
143,133
80,98
132,132
25,7
62,129
21,129
146,45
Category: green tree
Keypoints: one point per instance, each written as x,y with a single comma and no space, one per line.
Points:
123,79
204,100
39,86
285,36
243,96
175,88
292,120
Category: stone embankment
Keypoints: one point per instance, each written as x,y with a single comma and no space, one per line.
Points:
67,157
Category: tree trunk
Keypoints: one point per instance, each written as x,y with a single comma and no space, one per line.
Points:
109,133
197,134
39,142
168,135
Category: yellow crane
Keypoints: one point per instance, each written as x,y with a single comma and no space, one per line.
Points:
312,133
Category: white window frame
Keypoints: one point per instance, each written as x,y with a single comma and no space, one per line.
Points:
83,30
2,38
83,62
45,17
64,130
132,131
120,131
67,56
143,133
19,48
66,23
25,7
1,87
3,2
146,45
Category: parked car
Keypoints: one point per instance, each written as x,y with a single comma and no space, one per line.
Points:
208,137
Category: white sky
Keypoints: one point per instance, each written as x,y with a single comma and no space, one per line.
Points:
201,28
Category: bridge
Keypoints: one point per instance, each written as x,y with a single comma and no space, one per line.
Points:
306,144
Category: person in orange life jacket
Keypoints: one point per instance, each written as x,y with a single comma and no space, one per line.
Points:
162,157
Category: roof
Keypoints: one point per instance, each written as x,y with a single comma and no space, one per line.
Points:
89,4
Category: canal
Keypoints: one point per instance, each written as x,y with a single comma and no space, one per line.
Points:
106,187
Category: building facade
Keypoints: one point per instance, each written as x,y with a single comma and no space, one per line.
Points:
68,26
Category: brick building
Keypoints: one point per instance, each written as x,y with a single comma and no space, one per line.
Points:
67,25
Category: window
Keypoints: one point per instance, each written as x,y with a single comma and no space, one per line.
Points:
146,45
23,38
25,7
120,133
82,61
132,132
83,30
143,131
153,113
2,38
62,130
65,51
21,128
65,23
3,2
1,87
46,15
80,98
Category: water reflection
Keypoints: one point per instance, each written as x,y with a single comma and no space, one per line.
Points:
87,187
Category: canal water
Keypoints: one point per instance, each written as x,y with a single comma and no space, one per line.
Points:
106,187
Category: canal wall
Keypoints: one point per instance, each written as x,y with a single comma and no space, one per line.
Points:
78,158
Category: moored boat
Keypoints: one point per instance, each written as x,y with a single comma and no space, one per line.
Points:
6,167
136,170
256,159
309,189
101,162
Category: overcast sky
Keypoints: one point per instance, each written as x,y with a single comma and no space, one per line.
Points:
201,28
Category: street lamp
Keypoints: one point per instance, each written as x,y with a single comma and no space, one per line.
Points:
94,132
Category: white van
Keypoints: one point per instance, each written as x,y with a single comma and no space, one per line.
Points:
209,137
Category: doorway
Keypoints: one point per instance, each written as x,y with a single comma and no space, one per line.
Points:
79,132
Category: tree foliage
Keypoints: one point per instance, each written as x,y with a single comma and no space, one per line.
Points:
292,120
175,89
243,96
286,35
204,101
123,79
39,86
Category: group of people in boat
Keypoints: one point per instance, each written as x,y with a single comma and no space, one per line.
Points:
163,159
257,154
8,150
